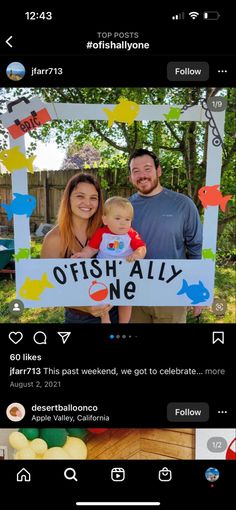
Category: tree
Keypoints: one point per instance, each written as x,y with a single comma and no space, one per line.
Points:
85,157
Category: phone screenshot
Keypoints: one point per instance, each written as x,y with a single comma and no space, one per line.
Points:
117,258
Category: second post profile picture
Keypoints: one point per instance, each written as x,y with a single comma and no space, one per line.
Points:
15,412
15,71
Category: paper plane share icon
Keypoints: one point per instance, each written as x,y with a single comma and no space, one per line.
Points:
64,335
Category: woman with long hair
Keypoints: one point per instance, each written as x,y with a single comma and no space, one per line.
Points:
79,216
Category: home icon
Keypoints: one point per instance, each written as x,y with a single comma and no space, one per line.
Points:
23,476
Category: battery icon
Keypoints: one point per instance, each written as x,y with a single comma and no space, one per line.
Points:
211,15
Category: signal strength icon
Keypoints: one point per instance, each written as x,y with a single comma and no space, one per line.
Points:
193,14
178,16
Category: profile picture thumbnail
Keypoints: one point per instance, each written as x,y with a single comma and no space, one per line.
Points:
15,71
15,412
212,474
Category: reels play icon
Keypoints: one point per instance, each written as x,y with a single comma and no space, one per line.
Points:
118,474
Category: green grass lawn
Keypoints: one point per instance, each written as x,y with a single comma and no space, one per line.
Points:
30,315
224,288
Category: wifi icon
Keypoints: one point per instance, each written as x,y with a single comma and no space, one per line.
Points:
193,14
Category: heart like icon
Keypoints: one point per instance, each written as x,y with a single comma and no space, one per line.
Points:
15,336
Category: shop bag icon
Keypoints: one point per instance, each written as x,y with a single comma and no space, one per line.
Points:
165,475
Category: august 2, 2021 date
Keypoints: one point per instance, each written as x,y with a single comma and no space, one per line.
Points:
35,384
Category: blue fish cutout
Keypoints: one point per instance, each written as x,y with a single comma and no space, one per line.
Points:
21,204
198,293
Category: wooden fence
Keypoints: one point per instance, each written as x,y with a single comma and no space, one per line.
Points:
47,187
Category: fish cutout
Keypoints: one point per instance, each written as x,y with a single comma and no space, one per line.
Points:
23,253
197,292
21,204
173,114
32,289
125,111
207,253
211,195
13,159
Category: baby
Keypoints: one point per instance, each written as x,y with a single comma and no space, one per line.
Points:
116,240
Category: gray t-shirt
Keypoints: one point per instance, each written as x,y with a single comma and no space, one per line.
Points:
169,224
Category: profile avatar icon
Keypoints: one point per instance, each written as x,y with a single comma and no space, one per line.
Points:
16,307
212,474
15,71
15,412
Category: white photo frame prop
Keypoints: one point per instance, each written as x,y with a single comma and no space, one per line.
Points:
90,282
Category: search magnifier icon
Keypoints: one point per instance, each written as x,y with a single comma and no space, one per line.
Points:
70,474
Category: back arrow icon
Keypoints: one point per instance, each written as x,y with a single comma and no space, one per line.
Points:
7,41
